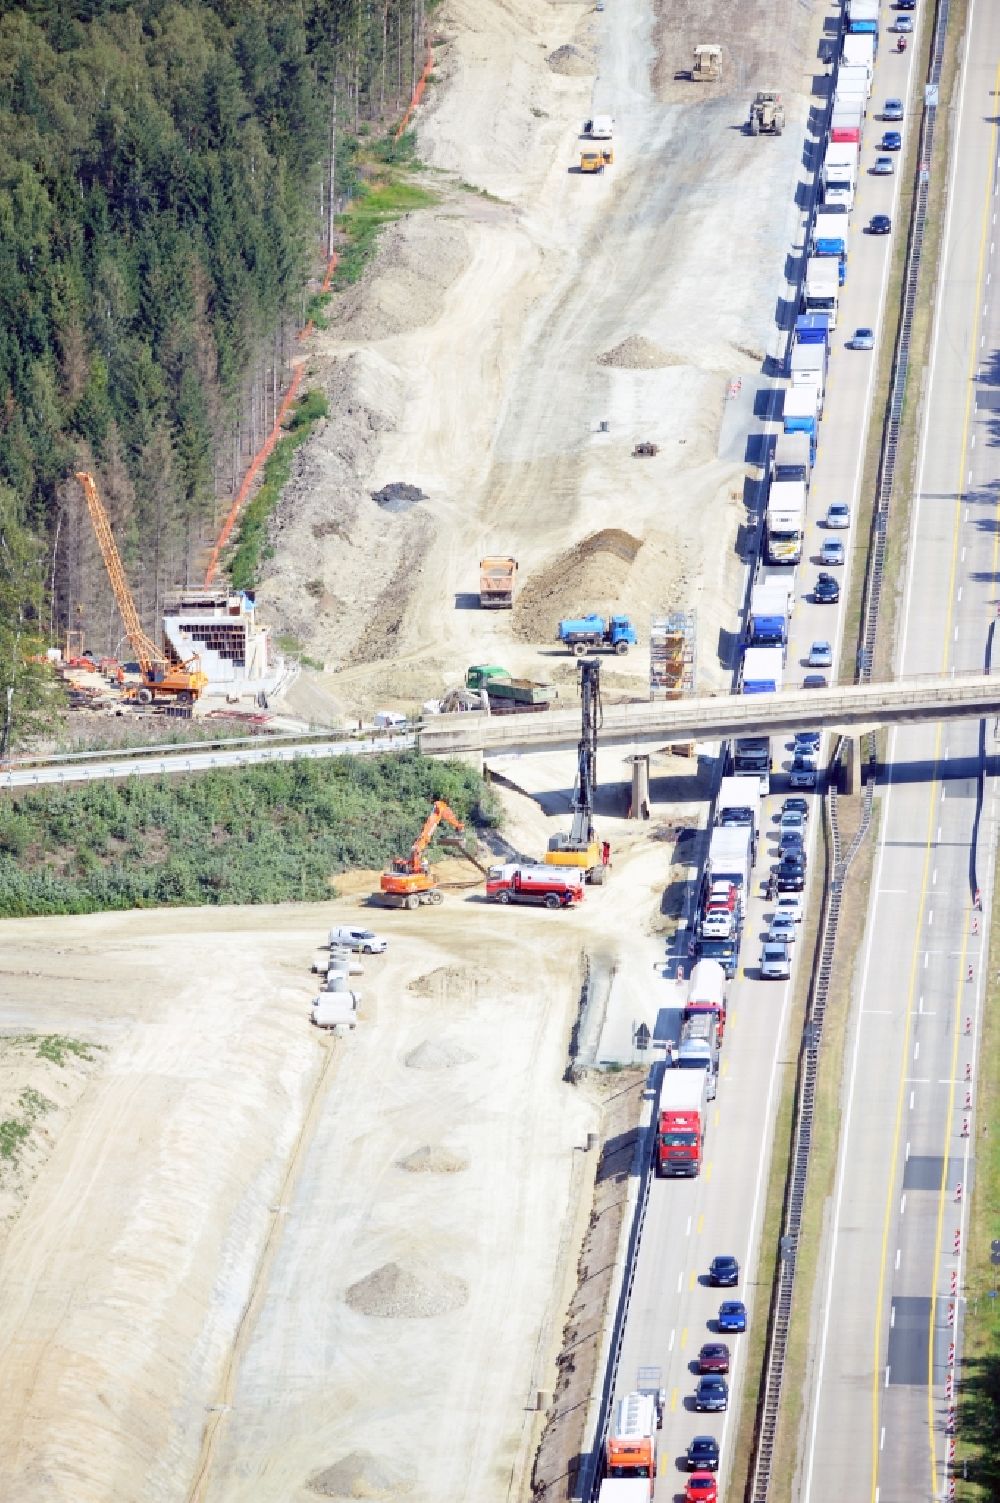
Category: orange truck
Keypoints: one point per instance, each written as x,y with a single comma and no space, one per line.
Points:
630,1450
496,583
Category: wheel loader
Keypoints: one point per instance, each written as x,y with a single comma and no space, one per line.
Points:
767,114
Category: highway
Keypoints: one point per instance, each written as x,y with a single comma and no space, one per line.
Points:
889,1317
720,1212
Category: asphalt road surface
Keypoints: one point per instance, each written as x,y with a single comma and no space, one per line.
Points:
688,1221
877,1404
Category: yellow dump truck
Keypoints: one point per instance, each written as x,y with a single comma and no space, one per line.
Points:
596,158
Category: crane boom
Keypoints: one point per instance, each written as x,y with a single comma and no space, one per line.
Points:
143,646
160,677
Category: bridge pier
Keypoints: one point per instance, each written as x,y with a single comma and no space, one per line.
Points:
638,805
849,779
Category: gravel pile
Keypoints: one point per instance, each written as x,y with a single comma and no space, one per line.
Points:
394,1293
362,1475
398,496
636,353
571,61
444,980
433,1160
588,577
432,1054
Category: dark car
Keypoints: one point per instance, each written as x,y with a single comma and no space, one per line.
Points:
807,743
732,1315
891,140
711,1395
802,773
879,224
826,590
714,1357
703,1454
815,681
790,843
724,1271
790,876
796,804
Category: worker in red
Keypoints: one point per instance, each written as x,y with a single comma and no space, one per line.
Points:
605,853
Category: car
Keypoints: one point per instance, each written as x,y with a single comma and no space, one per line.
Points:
724,1271
775,961
791,819
732,1315
718,924
879,224
363,940
892,109
831,554
790,841
794,801
903,23
862,339
815,681
712,1395
701,1487
790,904
826,590
703,1453
714,1357
790,876
806,742
891,140
820,654
883,167
802,774
838,515
781,930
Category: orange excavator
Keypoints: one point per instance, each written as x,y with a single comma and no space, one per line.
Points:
408,882
161,678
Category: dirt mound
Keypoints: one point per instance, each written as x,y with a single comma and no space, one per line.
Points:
571,61
433,1160
362,1475
396,1293
398,496
445,981
587,577
637,353
433,1054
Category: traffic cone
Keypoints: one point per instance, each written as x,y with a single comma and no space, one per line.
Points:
958,1191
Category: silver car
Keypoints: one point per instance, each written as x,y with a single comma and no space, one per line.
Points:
775,961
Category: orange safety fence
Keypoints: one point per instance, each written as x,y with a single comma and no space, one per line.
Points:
264,451
418,93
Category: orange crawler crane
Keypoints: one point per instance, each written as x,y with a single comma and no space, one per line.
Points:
161,679
408,882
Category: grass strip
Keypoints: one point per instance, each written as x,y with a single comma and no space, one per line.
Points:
252,546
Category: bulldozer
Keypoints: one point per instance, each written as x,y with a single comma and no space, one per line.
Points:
409,880
767,114
707,63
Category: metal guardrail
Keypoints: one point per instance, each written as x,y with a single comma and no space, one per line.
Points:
839,861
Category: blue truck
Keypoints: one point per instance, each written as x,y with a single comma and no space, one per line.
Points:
812,328
829,239
587,633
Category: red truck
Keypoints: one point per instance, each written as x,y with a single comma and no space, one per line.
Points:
682,1112
707,994
552,886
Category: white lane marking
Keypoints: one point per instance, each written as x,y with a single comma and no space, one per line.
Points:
892,1312
926,958
911,1104
671,1346
934,872
887,1372
881,1443
879,1012
920,1004
902,1204
907,1159
689,1226
916,1050
938,841
963,556
930,917
898,1256
959,596
680,1282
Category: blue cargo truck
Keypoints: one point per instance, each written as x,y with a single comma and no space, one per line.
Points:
617,634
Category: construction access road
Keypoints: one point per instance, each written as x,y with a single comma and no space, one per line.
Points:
887,1318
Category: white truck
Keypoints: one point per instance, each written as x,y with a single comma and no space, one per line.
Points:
763,670
599,128
786,513
730,858
839,173
792,457
853,79
822,295
738,803
858,50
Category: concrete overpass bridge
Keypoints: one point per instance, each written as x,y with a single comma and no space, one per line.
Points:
849,709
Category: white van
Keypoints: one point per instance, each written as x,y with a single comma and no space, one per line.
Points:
364,940
389,720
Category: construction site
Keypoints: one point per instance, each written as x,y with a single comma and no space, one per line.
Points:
246,1256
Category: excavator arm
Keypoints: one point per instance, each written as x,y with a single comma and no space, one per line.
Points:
440,811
